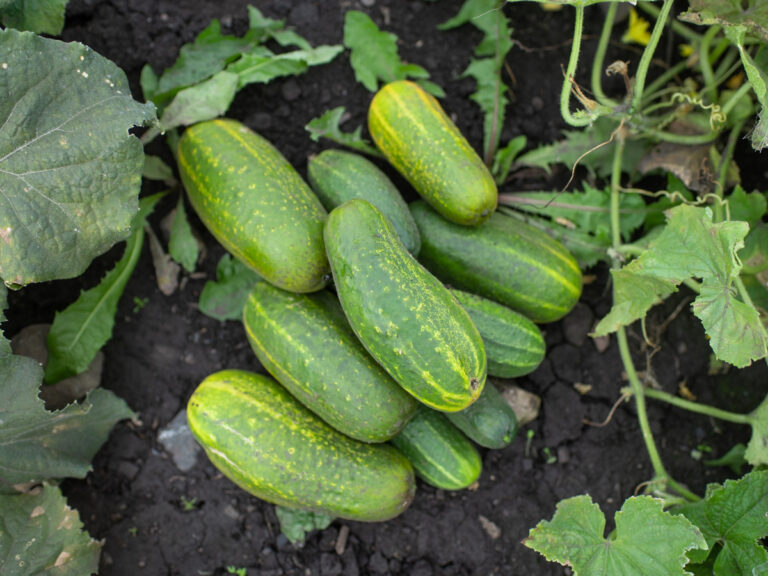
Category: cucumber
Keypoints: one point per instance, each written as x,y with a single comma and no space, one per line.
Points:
424,145
504,259
254,203
306,343
490,421
338,176
406,319
270,445
441,455
513,344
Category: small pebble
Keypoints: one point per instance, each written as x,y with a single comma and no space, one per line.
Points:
490,528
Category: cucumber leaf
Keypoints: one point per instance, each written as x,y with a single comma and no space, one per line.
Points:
40,534
374,55
749,208
757,74
757,448
36,444
182,245
81,330
70,172
295,524
751,15
39,16
733,515
225,298
691,246
647,539
329,126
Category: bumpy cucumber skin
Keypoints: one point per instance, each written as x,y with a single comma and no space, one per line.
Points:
255,203
504,259
490,421
441,455
337,176
406,319
424,145
306,343
270,445
514,345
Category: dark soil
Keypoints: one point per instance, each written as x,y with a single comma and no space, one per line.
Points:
158,355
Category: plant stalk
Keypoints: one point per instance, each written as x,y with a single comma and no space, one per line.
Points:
599,60
565,93
648,52
621,334
705,64
698,408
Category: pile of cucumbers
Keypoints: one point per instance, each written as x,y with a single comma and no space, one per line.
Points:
388,374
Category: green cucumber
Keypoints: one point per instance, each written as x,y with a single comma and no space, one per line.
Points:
254,203
338,176
441,455
424,145
504,259
267,443
406,319
490,421
306,343
513,344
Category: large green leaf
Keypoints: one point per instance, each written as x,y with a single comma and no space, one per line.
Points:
70,172
80,330
647,540
691,246
374,56
41,536
750,15
329,126
36,444
40,16
734,516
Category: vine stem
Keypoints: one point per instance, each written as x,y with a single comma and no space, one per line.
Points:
706,64
650,49
599,60
565,93
678,27
698,408
637,387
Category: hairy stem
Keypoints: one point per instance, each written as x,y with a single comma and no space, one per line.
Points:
706,64
724,415
678,27
722,179
599,61
565,94
626,358
648,52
